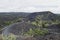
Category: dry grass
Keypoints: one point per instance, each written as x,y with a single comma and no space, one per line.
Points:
1,37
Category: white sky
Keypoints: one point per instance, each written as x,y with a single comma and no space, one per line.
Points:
29,5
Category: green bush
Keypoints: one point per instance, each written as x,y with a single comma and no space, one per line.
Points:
37,32
7,22
40,32
30,32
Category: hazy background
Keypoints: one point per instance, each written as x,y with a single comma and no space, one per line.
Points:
29,5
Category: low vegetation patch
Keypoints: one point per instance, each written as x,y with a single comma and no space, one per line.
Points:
9,37
36,32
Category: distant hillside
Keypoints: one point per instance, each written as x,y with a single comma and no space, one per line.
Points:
43,15
46,15
13,16
8,17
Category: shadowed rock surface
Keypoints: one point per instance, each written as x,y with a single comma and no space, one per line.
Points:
18,28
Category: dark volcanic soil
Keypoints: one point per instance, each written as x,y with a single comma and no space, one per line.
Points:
54,31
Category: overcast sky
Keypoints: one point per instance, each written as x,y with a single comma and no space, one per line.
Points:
29,5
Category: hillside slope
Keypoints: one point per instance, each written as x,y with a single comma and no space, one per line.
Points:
40,20
44,16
